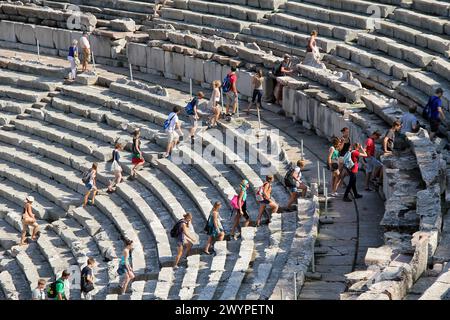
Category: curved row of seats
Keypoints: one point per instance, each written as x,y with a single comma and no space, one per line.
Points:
64,121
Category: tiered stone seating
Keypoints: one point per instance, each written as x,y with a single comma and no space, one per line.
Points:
139,11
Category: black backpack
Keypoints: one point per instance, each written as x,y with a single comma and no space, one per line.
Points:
289,180
175,232
51,291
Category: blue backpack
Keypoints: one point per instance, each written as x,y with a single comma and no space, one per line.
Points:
226,85
190,107
167,122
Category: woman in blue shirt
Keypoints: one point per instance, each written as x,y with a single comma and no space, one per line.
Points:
73,57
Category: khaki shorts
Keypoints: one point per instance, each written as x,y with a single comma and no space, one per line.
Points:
86,56
231,98
173,136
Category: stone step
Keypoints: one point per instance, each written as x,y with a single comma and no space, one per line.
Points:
422,21
439,8
241,266
357,6
21,94
287,36
209,20
7,286
69,138
13,106
335,17
189,186
32,263
351,92
28,81
414,36
20,282
42,208
396,48
305,25
226,155
38,176
373,59
217,269
82,247
33,68
127,221
151,220
439,289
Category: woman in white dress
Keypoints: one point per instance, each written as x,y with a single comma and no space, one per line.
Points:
213,104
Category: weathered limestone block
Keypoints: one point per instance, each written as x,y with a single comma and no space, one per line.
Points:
193,41
25,33
100,46
125,24
7,32
379,256
137,54
155,58
212,70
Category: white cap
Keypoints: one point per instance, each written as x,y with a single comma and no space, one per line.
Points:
30,199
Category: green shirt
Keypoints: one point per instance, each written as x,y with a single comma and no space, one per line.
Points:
60,289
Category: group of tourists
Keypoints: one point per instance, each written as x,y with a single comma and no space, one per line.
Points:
60,288
74,56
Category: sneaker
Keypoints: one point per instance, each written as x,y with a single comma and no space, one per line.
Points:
347,199
334,194
358,196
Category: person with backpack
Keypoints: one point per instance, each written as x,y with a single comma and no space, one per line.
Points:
293,180
191,110
229,88
389,138
351,164
170,125
126,266
29,220
264,197
240,209
213,104
214,227
116,168
137,157
280,70
87,280
257,85
373,166
434,113
345,146
39,293
184,239
90,182
333,164
56,289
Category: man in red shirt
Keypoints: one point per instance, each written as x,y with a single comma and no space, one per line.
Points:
232,95
355,154
372,164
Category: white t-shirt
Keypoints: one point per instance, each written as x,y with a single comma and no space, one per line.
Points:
297,170
39,294
84,43
173,117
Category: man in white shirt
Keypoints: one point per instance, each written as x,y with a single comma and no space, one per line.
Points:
39,292
409,121
86,51
173,124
